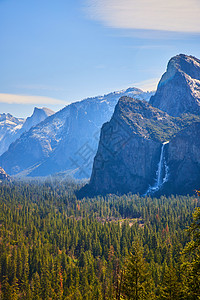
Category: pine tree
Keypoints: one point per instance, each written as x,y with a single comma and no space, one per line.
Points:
6,289
14,289
170,288
46,289
138,282
192,268
36,287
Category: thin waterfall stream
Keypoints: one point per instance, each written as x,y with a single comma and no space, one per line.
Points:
160,179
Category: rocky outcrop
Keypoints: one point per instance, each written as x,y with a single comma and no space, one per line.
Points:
153,148
39,115
183,160
178,91
11,128
130,147
4,176
144,150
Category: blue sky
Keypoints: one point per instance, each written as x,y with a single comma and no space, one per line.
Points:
55,52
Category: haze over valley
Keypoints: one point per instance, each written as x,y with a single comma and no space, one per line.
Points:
99,150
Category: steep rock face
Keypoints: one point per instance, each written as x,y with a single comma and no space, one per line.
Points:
178,91
146,150
9,128
39,115
66,141
183,159
33,146
3,175
129,148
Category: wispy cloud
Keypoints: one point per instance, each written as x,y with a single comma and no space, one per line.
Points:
170,15
147,85
26,99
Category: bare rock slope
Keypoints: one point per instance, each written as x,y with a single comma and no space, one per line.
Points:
11,128
130,147
3,175
178,91
153,147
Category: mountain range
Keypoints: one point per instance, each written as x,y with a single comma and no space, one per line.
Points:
11,128
153,148
128,141
66,141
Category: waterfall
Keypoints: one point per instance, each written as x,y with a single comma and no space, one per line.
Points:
162,168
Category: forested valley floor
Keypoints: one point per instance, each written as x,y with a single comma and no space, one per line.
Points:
53,246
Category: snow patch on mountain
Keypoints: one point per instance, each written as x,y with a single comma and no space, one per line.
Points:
66,140
9,125
11,128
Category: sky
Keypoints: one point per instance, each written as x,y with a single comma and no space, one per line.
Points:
53,53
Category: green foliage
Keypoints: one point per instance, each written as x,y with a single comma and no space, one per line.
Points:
137,283
191,266
53,246
170,287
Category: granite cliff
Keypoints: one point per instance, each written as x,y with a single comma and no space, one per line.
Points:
153,148
183,160
4,176
130,149
11,128
178,91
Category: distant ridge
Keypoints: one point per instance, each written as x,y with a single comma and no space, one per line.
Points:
67,140
39,115
11,127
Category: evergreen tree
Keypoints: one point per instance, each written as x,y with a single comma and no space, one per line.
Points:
192,267
36,287
14,289
170,288
137,283
6,289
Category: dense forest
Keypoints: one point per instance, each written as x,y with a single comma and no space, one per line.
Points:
53,246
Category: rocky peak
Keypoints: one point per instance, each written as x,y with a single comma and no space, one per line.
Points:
182,63
129,148
130,107
133,149
178,91
153,147
39,115
189,65
3,175
43,112
8,117
145,120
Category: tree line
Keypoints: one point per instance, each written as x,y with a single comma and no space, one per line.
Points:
53,246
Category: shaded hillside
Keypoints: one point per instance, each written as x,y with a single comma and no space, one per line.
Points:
130,148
